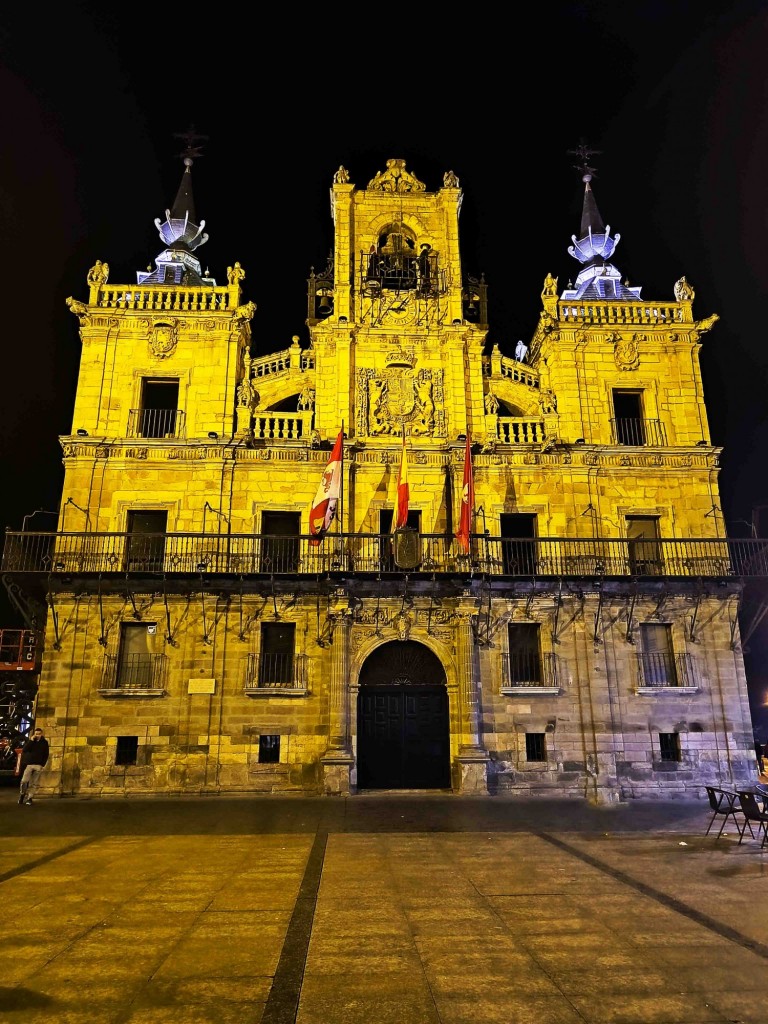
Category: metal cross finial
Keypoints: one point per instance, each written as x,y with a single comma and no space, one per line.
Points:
191,138
583,151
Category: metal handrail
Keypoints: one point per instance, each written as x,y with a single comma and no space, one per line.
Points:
354,553
134,671
270,670
528,667
662,668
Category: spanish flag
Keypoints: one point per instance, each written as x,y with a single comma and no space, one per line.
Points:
467,501
326,500
403,492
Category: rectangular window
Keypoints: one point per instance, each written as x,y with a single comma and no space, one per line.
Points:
628,425
136,658
524,654
657,656
644,549
127,750
269,749
669,746
518,552
280,542
159,407
277,654
146,530
535,746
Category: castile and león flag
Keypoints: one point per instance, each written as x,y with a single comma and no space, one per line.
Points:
326,501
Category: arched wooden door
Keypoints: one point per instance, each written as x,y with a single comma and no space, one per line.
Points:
403,736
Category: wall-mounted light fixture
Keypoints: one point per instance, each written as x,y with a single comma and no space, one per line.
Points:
461,437
82,433
580,440
213,435
702,443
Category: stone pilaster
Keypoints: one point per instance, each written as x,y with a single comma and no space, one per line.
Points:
337,760
472,760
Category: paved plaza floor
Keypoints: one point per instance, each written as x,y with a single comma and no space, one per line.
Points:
381,909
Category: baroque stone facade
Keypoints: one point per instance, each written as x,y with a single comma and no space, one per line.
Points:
585,645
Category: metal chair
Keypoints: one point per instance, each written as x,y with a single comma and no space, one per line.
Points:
753,811
723,804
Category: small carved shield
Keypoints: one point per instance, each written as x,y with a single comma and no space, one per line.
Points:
163,340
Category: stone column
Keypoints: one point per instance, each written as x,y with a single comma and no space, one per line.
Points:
472,760
337,760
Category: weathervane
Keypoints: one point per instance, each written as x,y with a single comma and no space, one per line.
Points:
584,152
192,150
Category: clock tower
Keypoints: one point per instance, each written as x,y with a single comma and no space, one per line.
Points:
392,321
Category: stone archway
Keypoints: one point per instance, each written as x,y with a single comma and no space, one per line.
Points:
403,734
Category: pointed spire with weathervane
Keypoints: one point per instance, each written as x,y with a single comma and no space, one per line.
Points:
599,278
180,231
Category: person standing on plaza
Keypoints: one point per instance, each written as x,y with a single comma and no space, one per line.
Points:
34,757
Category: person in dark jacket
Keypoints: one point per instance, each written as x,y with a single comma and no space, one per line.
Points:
34,757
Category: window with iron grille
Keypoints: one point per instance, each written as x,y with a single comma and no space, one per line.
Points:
628,417
524,653
127,750
136,659
269,749
657,656
159,407
518,552
535,746
146,530
280,541
644,548
669,746
277,654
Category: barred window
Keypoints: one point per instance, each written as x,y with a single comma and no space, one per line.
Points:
669,746
657,656
535,746
524,653
127,750
269,749
277,653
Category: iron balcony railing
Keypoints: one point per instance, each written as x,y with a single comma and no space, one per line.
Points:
127,672
276,671
157,423
243,554
638,432
528,667
666,669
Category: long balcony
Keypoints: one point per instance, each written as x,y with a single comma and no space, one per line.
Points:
106,555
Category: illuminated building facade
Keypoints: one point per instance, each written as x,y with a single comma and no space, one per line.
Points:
200,639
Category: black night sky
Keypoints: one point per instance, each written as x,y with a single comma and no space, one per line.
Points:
674,95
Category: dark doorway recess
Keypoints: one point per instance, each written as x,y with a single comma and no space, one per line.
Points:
403,737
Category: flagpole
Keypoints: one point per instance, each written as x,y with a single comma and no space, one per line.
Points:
340,516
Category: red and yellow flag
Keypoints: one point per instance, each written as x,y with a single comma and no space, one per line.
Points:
326,500
403,492
467,501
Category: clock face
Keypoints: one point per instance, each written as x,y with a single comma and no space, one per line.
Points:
401,308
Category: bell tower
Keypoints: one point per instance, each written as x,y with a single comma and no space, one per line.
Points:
392,320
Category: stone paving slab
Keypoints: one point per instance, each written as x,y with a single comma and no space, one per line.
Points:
377,912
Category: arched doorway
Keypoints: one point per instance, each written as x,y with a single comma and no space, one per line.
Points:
403,736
